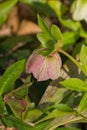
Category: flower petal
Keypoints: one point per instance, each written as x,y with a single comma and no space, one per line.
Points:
34,64
44,67
30,61
54,65
80,10
43,74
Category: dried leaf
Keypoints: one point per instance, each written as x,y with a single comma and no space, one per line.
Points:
13,21
28,27
5,30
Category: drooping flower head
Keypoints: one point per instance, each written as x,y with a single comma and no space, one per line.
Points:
44,67
79,10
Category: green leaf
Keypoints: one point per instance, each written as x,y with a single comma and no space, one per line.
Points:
10,76
5,7
43,38
56,33
62,120
59,8
55,113
16,104
49,97
69,39
41,125
78,47
75,84
32,115
58,96
2,107
18,100
83,103
83,57
44,26
30,1
46,42
12,121
56,6
64,107
50,38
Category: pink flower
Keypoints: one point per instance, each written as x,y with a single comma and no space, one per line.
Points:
44,67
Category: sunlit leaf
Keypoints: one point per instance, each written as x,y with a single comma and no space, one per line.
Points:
64,107
83,57
55,113
44,26
83,103
57,35
75,84
32,115
10,76
43,38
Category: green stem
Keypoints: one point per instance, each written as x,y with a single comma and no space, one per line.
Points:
73,60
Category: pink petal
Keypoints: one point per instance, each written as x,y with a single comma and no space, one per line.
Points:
59,59
44,67
54,67
43,74
34,64
29,61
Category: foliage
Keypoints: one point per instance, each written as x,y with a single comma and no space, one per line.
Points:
27,103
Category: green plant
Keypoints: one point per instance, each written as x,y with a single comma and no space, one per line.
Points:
34,101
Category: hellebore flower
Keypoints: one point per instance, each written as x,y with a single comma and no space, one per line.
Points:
80,10
44,67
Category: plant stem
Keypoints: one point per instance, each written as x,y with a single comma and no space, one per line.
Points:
73,60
